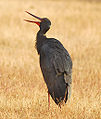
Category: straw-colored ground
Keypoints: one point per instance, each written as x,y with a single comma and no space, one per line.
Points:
23,93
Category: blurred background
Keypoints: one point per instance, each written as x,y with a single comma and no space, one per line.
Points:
77,25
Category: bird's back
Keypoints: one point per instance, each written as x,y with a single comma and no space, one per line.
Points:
56,66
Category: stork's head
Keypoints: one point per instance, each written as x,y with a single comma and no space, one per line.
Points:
44,23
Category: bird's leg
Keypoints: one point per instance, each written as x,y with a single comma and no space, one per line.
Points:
48,100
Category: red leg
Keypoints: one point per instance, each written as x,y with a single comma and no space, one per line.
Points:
48,100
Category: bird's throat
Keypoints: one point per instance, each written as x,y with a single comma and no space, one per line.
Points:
40,41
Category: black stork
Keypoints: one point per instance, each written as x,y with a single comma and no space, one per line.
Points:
55,63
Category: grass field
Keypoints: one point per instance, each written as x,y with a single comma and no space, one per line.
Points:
23,93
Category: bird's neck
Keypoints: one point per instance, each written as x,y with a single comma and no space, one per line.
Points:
40,40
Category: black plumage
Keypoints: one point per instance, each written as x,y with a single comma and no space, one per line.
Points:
55,63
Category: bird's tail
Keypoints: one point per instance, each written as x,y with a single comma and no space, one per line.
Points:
59,91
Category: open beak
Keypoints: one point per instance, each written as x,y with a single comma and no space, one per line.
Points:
36,22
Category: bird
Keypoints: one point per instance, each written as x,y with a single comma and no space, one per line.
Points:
55,63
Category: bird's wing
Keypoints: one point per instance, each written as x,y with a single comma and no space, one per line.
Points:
58,58
63,66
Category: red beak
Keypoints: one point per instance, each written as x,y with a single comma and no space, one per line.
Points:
37,22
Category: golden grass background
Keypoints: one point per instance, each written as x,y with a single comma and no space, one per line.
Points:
23,93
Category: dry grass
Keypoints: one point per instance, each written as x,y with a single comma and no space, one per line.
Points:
23,93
